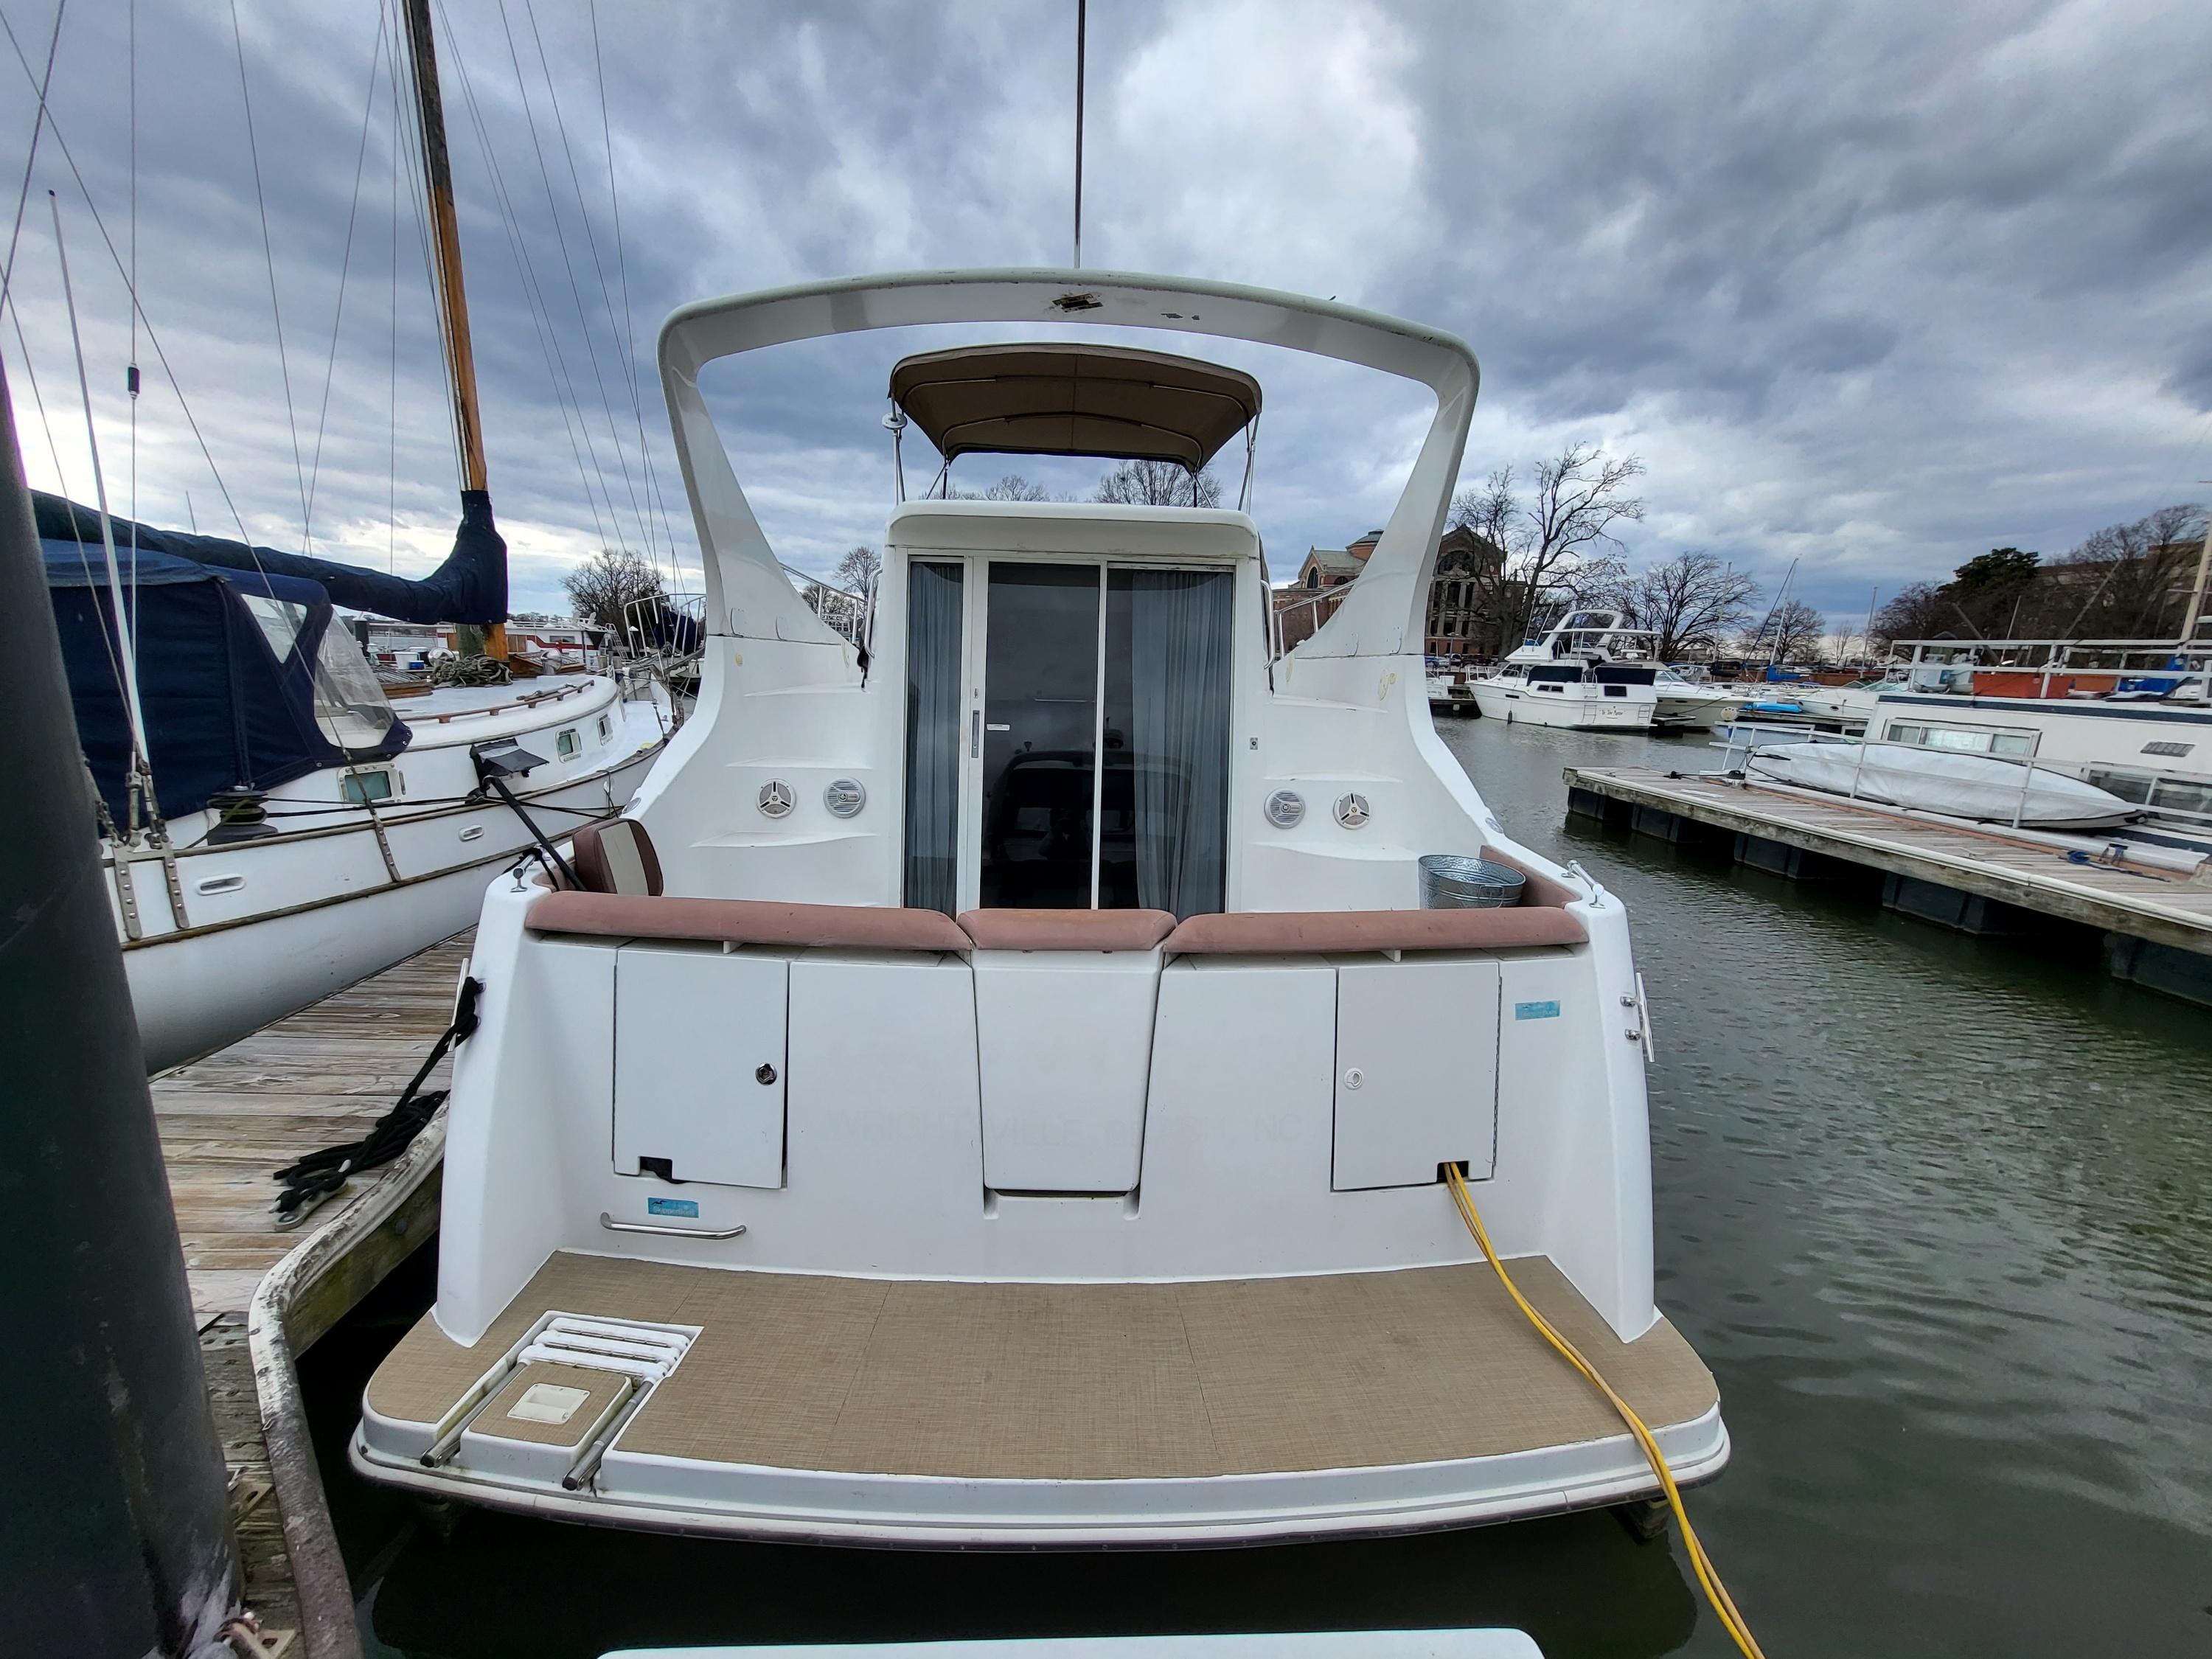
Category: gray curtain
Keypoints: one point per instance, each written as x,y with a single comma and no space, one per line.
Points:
1179,645
932,736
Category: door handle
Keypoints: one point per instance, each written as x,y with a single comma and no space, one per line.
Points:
976,735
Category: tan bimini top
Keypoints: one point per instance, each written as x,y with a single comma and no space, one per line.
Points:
1108,401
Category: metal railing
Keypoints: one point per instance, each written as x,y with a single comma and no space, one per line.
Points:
842,609
2027,764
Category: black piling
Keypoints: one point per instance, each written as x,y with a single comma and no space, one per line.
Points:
115,1538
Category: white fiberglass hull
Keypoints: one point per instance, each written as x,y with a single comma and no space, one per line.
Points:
1692,708
316,910
1933,780
651,1494
1565,707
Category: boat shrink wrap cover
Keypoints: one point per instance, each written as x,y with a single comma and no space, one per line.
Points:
1957,785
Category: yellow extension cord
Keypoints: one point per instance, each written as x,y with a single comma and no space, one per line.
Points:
1708,1574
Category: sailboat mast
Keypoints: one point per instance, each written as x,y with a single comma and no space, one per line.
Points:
453,292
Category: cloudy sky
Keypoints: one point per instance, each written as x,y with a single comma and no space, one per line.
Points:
1873,286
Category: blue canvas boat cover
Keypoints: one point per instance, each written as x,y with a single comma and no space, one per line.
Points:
224,709
469,586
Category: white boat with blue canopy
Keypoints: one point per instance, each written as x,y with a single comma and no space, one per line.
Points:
271,828
998,1084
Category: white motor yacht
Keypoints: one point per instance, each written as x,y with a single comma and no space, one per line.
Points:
1002,1088
1588,672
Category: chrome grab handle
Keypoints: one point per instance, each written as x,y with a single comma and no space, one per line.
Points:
614,1226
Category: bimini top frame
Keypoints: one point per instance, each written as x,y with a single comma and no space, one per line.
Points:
747,593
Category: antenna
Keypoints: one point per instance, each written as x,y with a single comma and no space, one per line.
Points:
1082,9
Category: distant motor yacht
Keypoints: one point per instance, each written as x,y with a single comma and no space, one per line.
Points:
1587,672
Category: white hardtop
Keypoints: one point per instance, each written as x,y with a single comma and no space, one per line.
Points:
1597,635
1207,534
749,596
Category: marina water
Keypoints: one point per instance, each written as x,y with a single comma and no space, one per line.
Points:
1938,1211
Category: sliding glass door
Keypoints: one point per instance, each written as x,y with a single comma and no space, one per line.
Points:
1096,746
1040,736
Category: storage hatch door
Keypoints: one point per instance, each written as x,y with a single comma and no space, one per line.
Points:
699,1065
1416,1071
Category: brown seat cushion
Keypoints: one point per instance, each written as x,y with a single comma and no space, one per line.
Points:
1284,933
616,858
1066,930
745,921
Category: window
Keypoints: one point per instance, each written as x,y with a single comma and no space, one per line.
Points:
567,744
2171,750
368,785
1964,740
606,727
279,622
350,706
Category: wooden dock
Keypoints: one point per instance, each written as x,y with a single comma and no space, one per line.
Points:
318,1079
2157,923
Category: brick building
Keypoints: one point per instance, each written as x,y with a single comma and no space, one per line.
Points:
1467,569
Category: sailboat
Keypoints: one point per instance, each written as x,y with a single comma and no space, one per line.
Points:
271,827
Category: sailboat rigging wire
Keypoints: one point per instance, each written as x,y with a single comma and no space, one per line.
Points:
61,478
568,265
392,472
598,269
630,322
268,256
126,645
540,314
31,155
152,338
345,267
131,373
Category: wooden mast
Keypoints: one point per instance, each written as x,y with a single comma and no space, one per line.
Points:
452,293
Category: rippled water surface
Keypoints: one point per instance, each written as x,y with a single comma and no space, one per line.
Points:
1938,1211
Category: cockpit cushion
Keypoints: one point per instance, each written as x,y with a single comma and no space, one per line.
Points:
1301,932
746,921
1066,930
616,857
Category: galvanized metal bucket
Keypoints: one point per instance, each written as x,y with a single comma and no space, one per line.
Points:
1453,881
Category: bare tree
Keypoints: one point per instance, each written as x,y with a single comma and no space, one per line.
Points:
1559,541
604,586
1917,612
1011,487
1793,628
857,569
1689,602
2133,579
1160,483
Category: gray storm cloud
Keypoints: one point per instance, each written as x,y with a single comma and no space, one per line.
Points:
1876,288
